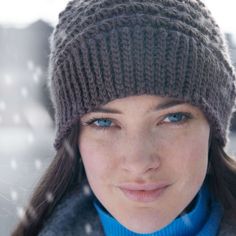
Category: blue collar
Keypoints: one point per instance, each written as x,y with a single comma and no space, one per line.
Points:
203,219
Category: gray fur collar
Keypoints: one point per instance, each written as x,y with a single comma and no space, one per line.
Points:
74,216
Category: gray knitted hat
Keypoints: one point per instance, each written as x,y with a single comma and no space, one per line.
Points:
107,49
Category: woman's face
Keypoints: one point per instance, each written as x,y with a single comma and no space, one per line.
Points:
145,158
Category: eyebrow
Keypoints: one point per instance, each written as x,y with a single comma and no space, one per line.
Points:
161,106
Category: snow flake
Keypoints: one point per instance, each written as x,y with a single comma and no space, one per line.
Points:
30,138
88,228
16,119
24,92
38,71
36,77
38,164
62,35
78,4
14,195
8,79
37,74
49,197
186,220
13,164
2,106
30,65
32,212
86,190
20,213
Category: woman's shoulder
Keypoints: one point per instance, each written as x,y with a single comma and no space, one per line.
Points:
228,225
74,215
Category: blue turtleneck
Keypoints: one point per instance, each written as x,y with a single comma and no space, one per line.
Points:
202,220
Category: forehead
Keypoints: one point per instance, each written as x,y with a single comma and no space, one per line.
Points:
143,102
143,105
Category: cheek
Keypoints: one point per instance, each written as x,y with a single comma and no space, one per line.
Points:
190,156
96,158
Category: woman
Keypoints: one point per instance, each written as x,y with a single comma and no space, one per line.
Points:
143,93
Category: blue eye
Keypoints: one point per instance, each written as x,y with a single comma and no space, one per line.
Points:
103,123
177,117
100,123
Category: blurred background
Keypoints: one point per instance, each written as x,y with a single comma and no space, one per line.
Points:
26,114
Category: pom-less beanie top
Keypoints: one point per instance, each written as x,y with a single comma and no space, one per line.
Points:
102,50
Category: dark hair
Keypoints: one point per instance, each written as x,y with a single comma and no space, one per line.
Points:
65,174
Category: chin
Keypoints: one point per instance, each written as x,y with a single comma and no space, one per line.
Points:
146,226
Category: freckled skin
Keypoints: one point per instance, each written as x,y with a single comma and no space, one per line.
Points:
139,146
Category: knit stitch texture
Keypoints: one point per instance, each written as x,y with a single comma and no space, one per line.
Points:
102,50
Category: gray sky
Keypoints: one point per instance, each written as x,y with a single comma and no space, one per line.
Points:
20,13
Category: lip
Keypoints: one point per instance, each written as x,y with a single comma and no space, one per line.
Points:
143,192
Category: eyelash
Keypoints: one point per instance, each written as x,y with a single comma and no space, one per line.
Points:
187,116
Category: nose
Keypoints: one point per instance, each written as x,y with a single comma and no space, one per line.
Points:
140,155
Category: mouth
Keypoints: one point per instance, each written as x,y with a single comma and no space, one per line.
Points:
144,192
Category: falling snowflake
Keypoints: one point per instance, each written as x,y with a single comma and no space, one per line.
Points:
38,164
49,197
186,220
78,3
36,77
37,74
32,212
30,65
2,106
86,190
8,79
13,164
14,195
24,92
63,35
20,212
30,138
88,228
16,119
